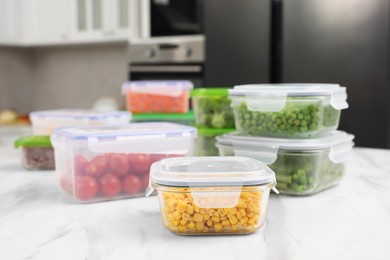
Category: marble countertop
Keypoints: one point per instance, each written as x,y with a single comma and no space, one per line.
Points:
350,221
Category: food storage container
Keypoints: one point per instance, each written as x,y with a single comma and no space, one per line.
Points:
37,152
43,122
112,162
302,167
205,142
288,110
184,119
212,195
212,108
169,96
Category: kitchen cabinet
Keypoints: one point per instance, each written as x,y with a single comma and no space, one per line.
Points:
51,22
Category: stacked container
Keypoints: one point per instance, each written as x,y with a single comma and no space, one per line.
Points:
213,117
38,153
291,127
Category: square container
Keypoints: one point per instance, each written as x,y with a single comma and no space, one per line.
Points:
37,152
302,167
205,142
212,108
184,119
288,110
43,122
169,96
212,195
113,162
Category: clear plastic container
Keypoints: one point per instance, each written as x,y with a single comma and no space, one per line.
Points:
212,195
169,96
302,167
205,143
37,152
113,162
43,122
288,110
212,108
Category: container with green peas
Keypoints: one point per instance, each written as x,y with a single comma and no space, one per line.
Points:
288,110
302,167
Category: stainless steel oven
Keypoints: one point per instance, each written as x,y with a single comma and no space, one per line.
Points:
166,40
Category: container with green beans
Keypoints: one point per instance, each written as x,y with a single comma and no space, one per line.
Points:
302,167
288,110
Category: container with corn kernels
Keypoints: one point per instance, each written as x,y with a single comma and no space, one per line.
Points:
212,195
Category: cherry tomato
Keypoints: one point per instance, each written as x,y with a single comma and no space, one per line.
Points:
158,157
110,185
86,187
80,165
140,163
132,184
66,183
98,166
119,164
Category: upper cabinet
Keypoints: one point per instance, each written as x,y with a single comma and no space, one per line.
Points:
51,22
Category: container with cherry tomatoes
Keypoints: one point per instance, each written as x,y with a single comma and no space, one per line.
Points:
159,96
113,162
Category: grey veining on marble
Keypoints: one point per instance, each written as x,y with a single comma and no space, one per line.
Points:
350,221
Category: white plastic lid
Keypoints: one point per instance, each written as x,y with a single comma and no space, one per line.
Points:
272,97
156,137
211,172
266,149
80,114
173,88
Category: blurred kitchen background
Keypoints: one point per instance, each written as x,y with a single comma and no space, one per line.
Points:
69,53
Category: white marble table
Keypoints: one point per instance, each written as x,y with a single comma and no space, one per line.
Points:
351,221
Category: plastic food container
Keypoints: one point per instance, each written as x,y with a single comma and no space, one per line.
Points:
288,110
170,96
37,152
113,162
43,122
212,195
184,119
212,108
302,167
205,143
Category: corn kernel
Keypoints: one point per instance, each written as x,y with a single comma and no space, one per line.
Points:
211,212
176,215
191,225
221,212
232,212
225,222
170,217
251,206
241,204
196,209
181,206
238,215
215,219
199,225
226,210
243,212
209,223
234,228
252,220
185,216
233,220
198,217
250,214
175,223
206,217
243,220
203,211
190,209
181,228
218,227
183,222
222,218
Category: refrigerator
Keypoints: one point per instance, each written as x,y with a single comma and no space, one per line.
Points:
308,41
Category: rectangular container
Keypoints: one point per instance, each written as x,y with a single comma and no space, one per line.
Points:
212,195
37,152
212,108
169,96
43,122
288,110
205,142
113,162
302,167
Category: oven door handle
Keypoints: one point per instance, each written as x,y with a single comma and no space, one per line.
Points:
166,68
168,46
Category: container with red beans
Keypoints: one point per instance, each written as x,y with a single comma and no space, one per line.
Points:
113,162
